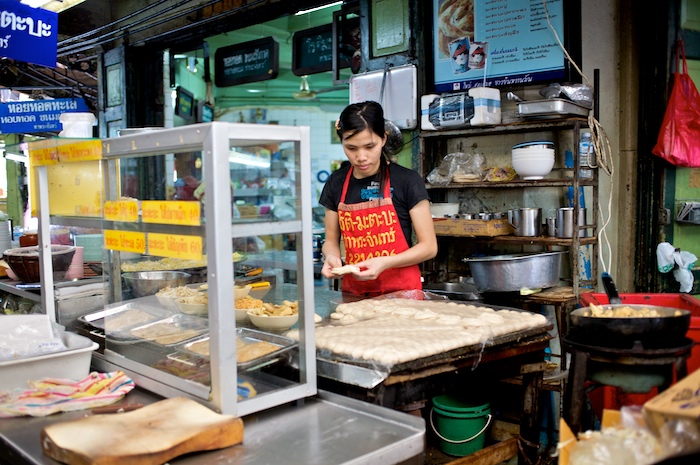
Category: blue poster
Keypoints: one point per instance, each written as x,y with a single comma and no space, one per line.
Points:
28,34
30,116
496,43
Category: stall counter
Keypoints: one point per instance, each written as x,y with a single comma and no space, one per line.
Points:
325,429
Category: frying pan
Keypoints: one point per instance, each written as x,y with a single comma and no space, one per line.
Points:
669,328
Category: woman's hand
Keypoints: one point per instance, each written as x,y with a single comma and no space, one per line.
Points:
371,269
329,263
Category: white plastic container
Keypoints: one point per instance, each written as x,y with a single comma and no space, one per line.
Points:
78,124
73,363
425,101
487,106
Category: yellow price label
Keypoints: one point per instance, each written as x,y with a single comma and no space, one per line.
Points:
125,241
121,210
175,246
42,155
182,212
80,151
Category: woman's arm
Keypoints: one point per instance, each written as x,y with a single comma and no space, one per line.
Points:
424,249
331,246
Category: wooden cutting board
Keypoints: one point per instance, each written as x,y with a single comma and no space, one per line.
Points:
151,435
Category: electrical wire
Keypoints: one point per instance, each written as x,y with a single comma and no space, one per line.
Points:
603,154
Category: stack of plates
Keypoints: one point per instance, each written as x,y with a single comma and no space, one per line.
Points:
5,236
92,245
75,269
533,160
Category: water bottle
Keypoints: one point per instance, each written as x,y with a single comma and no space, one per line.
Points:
586,155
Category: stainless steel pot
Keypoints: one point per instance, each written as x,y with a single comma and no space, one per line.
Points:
509,273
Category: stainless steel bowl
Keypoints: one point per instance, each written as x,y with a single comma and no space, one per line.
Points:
143,283
509,273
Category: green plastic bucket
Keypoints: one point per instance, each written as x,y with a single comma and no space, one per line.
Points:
459,424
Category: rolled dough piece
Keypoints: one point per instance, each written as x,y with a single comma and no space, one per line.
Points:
341,270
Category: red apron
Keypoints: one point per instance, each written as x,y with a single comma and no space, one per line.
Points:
372,229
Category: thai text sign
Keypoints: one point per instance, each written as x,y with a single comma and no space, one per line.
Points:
28,34
175,246
257,60
171,212
36,115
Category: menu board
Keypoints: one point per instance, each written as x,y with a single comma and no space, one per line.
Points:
496,43
253,61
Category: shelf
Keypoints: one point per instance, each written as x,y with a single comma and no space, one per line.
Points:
515,127
560,182
526,240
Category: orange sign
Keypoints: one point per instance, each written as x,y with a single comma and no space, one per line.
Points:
175,246
182,212
42,153
121,210
125,241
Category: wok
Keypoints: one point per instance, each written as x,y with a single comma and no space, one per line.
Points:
670,328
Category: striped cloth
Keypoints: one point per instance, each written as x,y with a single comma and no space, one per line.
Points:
53,395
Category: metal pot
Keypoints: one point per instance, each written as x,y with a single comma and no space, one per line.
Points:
616,332
509,273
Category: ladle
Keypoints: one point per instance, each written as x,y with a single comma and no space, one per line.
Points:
611,289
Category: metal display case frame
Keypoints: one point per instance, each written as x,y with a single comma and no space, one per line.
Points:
214,141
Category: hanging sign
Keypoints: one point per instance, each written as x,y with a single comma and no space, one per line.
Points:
496,43
30,116
28,34
257,60
312,51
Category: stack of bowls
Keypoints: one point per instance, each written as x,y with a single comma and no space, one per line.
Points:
533,160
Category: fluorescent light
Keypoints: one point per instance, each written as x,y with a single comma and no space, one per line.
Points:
255,91
303,12
15,157
245,159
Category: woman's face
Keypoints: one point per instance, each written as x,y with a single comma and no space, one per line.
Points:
364,151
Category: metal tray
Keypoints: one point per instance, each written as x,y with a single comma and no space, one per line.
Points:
249,336
99,319
551,107
192,325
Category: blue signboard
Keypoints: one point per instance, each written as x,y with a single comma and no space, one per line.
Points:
28,34
496,43
31,116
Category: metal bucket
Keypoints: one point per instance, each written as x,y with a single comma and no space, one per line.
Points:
509,273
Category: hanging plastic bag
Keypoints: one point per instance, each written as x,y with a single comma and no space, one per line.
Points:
679,137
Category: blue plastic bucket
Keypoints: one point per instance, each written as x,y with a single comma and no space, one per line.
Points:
459,424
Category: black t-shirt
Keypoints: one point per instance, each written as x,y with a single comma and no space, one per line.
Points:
407,189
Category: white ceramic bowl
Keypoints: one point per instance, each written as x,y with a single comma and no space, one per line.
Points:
191,309
167,302
277,323
533,152
240,292
533,169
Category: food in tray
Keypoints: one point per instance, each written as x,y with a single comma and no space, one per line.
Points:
125,319
165,333
169,263
600,311
392,331
245,352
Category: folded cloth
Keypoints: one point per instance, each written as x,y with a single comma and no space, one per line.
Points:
53,395
74,291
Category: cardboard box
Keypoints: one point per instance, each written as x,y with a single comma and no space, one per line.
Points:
473,228
680,401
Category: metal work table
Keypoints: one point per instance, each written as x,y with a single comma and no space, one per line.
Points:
323,430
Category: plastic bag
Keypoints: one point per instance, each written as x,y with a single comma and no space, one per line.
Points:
459,164
679,137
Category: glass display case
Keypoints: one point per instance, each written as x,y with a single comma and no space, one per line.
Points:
196,299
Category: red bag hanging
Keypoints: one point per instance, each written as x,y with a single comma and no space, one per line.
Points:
679,137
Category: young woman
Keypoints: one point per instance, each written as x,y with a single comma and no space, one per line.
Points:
371,205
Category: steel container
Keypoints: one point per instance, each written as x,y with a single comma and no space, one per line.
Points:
509,273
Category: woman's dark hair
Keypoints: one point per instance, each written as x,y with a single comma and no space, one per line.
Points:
357,117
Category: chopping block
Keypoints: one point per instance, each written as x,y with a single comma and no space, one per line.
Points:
151,435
